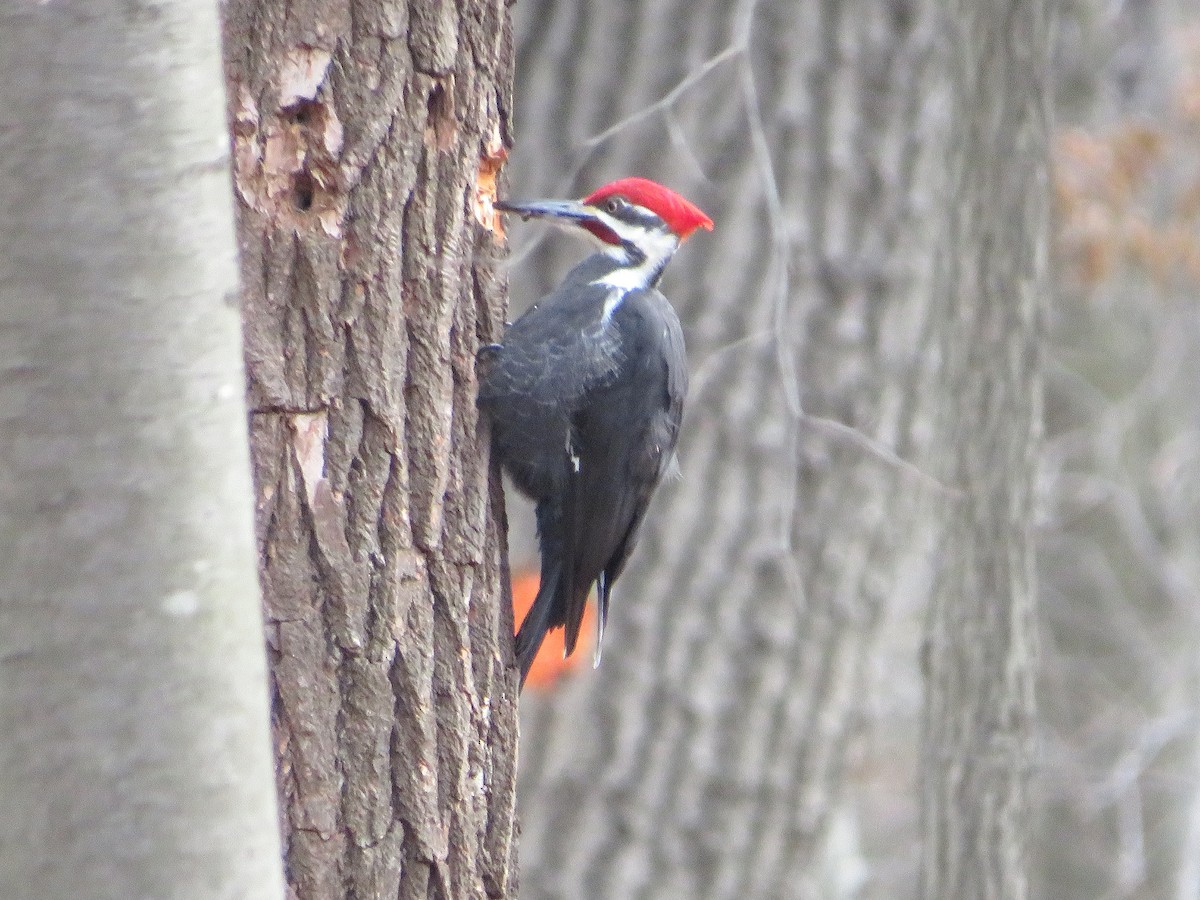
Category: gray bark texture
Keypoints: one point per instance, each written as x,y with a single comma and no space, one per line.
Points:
1119,540
754,729
134,742
367,138
991,292
719,752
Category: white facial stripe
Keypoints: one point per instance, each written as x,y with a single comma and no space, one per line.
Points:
656,246
636,234
627,279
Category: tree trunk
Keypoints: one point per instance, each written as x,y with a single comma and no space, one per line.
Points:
771,606
991,289
367,141
1119,541
134,756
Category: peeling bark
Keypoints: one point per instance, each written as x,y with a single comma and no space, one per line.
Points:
367,141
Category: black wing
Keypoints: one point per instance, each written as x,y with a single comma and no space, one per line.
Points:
532,383
624,438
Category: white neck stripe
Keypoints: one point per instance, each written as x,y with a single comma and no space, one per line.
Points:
655,248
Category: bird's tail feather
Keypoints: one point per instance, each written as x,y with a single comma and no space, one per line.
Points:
537,621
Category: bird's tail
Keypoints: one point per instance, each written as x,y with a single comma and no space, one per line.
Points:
538,620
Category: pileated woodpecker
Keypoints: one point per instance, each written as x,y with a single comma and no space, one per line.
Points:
585,396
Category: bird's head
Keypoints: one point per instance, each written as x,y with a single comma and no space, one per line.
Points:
636,215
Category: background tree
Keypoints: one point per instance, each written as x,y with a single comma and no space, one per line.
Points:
986,346
663,90
134,755
367,139
777,603
781,577
1119,537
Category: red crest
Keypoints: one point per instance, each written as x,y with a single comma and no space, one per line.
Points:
681,216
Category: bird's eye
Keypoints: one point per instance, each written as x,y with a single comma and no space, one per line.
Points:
614,205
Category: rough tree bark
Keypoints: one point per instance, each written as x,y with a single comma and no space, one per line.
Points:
134,744
991,290
716,752
367,140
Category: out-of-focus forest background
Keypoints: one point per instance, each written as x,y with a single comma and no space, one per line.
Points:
1119,535
919,619
820,172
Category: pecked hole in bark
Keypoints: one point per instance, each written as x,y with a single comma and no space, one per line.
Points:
302,112
303,190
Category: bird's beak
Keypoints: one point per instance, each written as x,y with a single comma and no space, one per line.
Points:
571,210
565,213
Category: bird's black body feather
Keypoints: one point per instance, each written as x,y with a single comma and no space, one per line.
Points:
585,410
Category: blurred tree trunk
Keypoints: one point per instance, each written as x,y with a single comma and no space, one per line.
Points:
134,744
1119,556
367,141
718,751
774,607
992,287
